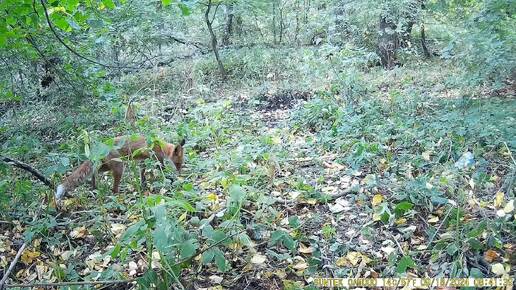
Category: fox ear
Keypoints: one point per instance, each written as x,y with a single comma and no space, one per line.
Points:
179,147
182,142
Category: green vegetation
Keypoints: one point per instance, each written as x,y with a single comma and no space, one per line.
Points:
323,139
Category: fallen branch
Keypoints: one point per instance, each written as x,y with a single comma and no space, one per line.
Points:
18,254
11,267
28,168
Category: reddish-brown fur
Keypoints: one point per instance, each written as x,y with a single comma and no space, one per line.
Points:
129,148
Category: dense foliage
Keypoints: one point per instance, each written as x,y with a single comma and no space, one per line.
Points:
364,138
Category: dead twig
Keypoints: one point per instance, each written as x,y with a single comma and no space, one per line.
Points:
11,267
28,168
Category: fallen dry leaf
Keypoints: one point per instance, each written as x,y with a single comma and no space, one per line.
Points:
78,232
258,259
490,255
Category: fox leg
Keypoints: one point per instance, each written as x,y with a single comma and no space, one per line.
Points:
117,169
93,182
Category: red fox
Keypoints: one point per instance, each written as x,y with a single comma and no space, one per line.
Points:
133,148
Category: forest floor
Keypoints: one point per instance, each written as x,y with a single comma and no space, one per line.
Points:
399,178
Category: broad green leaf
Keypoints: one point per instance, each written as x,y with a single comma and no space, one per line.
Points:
402,207
220,260
188,248
208,256
166,2
109,4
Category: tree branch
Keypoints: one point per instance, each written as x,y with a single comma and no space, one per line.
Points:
28,168
69,47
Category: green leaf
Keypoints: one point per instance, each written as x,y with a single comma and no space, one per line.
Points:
109,4
188,248
184,9
221,261
402,207
294,222
71,5
405,263
181,203
116,250
11,20
166,2
60,21
208,256
133,230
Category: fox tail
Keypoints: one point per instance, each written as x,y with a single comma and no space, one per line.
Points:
78,177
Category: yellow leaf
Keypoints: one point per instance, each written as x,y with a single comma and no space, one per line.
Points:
212,197
29,256
354,257
377,199
342,262
498,199
401,221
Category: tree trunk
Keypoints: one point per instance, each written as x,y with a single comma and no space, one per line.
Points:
388,42
228,28
214,39
274,8
281,23
423,42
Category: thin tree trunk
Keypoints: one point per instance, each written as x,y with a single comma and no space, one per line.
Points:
228,28
214,47
423,42
281,24
274,8
297,23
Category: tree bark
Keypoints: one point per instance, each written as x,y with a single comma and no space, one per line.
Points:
214,47
228,28
388,42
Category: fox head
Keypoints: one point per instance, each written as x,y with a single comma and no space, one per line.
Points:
176,154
